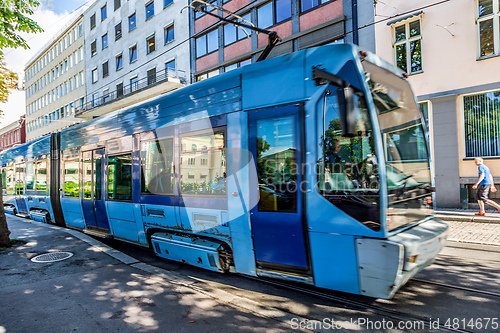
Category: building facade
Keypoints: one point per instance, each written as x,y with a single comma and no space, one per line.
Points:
55,82
450,51
218,46
135,50
13,134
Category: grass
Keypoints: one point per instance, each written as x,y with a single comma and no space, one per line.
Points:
12,242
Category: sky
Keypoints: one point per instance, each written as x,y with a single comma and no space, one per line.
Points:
52,15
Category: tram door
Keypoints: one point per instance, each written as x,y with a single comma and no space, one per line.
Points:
276,214
20,188
93,205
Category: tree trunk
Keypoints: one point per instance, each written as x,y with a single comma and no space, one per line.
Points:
4,229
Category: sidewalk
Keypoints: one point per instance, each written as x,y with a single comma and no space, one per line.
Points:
100,289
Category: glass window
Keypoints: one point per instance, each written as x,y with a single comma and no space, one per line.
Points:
119,89
169,34
30,176
207,43
208,179
482,124
95,75
71,179
104,12
133,53
119,61
201,46
41,175
150,41
308,4
167,2
488,13
104,40
157,167
93,50
105,69
132,22
151,76
134,83
118,31
120,177
118,4
10,181
408,47
347,166
283,10
150,10
170,69
265,16
92,25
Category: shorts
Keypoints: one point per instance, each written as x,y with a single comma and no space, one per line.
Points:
482,192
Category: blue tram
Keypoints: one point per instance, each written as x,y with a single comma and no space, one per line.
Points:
310,167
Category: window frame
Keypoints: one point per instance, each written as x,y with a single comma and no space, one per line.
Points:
146,5
119,34
135,21
407,42
205,37
120,55
96,76
165,34
131,177
104,10
495,17
174,179
104,38
105,65
92,21
130,52
150,49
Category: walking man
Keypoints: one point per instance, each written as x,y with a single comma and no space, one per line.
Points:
483,185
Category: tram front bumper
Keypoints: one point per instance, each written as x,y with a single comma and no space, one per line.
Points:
385,265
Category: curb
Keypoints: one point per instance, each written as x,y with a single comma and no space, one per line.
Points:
461,218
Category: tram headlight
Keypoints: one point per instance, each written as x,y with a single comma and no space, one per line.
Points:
428,202
413,259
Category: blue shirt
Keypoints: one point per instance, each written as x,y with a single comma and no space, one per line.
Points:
487,175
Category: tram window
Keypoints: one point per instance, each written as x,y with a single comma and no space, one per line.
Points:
157,162
71,179
30,176
41,176
10,182
347,166
87,175
4,179
120,177
206,178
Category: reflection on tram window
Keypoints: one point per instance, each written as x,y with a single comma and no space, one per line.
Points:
41,176
71,179
4,179
277,165
20,171
10,181
203,164
157,161
30,176
347,166
87,175
120,177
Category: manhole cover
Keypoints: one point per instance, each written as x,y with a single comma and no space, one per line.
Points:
52,257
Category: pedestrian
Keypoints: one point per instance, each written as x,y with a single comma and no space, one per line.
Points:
484,184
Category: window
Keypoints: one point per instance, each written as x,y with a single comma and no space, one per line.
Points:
118,4
214,182
118,31
119,61
93,48
120,177
157,167
408,47
104,40
134,83
105,96
95,76
133,53
95,99
80,30
104,12
308,4
207,43
482,124
41,176
273,13
488,13
92,24
170,69
197,15
151,76
169,34
132,22
150,41
119,89
167,2
105,69
233,33
150,10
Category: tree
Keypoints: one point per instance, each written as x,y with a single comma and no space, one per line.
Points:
13,20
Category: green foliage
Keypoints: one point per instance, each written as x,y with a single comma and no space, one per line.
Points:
14,18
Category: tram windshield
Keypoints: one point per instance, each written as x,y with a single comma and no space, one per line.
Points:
405,148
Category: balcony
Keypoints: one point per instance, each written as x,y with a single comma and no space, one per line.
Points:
154,84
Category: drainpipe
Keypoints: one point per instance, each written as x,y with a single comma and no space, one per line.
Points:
355,38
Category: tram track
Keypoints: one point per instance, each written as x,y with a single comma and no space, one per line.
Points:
487,293
358,304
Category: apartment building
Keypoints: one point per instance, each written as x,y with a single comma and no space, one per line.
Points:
135,50
13,134
451,52
219,46
55,81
